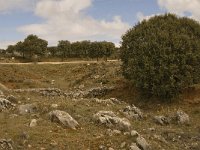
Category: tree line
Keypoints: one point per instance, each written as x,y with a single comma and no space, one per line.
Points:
33,46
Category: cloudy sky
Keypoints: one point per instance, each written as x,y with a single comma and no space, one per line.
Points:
75,20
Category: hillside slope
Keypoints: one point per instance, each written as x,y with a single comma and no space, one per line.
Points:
100,101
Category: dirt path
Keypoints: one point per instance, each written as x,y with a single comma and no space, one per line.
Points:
70,62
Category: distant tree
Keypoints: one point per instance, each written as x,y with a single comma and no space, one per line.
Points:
64,48
96,50
53,50
11,49
34,46
76,49
108,49
19,47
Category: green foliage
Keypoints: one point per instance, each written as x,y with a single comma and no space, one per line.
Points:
64,47
161,56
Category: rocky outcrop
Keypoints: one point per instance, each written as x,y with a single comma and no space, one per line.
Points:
6,144
63,118
109,119
133,112
6,104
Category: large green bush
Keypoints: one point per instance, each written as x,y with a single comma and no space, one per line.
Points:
161,56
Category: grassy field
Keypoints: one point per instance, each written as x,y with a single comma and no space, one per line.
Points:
90,135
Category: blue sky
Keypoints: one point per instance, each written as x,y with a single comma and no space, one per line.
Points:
74,20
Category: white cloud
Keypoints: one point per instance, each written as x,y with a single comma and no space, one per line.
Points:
182,7
66,19
9,5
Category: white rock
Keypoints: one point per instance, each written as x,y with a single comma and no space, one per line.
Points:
54,105
142,143
134,133
63,118
109,119
33,123
133,146
182,117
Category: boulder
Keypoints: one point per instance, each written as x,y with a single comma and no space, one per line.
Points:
182,117
109,119
142,143
63,118
27,109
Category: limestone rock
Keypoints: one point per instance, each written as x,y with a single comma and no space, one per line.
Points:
27,109
133,112
5,104
6,144
142,143
63,118
182,117
162,120
33,123
109,119
133,146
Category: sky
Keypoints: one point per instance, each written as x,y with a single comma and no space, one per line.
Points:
77,20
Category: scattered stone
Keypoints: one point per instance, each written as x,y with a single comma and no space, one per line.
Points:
182,117
6,104
123,145
111,101
27,109
109,119
82,86
54,105
110,148
102,147
133,146
33,123
162,120
152,129
133,112
98,91
127,133
63,118
134,133
142,143
111,132
6,144
49,92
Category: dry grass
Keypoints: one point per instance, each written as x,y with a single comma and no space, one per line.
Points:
52,136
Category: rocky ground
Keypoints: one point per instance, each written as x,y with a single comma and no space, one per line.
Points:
88,107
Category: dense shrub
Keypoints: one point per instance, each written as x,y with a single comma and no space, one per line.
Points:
161,56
